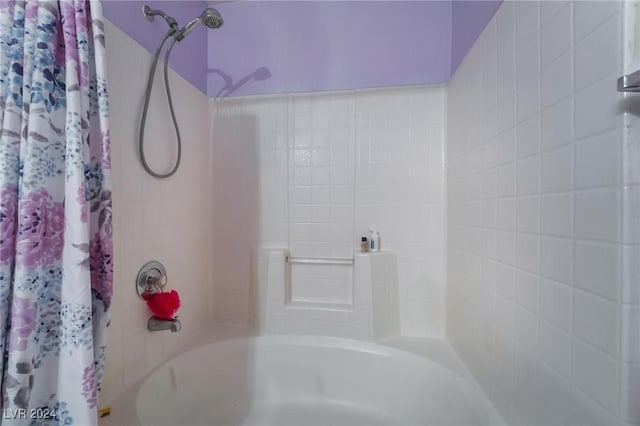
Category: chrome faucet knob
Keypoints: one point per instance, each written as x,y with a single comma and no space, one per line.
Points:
152,278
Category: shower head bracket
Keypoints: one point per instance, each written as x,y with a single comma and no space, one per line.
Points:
147,12
151,13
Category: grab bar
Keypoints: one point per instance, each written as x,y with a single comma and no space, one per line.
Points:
629,82
319,261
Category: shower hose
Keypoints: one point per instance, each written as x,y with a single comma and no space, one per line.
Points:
145,109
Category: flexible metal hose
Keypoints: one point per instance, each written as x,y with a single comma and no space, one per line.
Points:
145,109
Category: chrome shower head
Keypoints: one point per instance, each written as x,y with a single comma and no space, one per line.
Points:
210,18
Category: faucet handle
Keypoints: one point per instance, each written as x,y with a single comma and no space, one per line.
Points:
152,278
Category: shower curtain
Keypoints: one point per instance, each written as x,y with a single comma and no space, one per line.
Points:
55,211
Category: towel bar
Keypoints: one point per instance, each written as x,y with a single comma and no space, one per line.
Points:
629,82
319,261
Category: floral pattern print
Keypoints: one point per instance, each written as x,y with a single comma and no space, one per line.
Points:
8,209
56,249
101,266
41,225
89,388
23,320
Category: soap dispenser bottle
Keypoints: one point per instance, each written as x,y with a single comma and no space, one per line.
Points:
364,245
374,241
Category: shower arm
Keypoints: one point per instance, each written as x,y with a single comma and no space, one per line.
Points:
170,20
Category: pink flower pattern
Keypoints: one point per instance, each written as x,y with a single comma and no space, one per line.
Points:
82,200
23,321
106,152
89,386
8,219
40,230
101,266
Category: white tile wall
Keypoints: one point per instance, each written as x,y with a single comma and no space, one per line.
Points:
166,220
321,163
321,167
400,192
332,165
547,342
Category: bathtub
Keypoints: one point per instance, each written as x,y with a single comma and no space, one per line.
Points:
308,380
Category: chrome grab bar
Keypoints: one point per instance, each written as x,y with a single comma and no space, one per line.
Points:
629,82
318,261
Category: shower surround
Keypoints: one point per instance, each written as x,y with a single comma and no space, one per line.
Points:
540,296
542,277
315,173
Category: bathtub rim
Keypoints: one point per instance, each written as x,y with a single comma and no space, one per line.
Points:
413,349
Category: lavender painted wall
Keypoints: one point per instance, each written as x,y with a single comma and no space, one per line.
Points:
468,19
189,57
303,46
319,45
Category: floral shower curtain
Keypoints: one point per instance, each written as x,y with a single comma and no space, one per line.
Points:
55,211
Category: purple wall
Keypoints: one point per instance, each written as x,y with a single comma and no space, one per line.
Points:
323,45
304,46
469,17
189,57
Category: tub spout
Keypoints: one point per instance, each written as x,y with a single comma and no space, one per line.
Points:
158,324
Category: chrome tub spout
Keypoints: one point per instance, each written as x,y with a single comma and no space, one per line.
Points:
158,324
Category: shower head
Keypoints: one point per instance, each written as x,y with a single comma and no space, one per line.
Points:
210,18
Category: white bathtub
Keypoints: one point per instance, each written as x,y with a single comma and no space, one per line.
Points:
308,380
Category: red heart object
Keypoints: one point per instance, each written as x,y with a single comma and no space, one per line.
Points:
163,305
